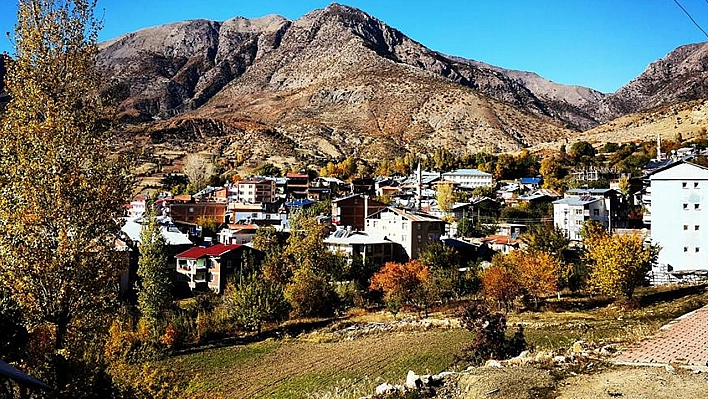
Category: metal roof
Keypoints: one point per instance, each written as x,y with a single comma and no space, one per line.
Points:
467,172
214,250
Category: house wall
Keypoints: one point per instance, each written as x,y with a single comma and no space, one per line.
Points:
679,216
191,212
412,236
350,211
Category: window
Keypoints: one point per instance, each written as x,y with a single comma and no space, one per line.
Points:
419,226
685,206
685,249
684,185
685,227
696,228
697,207
695,185
698,250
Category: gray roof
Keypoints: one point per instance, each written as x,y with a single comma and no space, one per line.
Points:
467,172
170,232
577,201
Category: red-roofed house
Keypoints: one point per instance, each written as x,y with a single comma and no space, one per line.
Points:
210,267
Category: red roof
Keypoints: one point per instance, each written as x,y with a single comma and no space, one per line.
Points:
214,250
297,175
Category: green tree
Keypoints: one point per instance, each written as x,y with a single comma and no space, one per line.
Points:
310,294
546,238
255,301
62,189
155,289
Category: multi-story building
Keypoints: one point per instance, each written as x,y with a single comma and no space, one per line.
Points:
412,230
679,215
187,213
297,185
352,211
371,248
569,214
255,191
469,178
210,267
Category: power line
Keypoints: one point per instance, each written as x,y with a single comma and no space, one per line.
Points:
690,17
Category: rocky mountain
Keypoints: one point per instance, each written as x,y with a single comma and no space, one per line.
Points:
680,76
336,81
340,82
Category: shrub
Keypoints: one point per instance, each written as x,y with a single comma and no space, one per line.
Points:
489,341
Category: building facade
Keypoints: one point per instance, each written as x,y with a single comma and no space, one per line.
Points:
412,230
255,191
679,215
569,214
469,178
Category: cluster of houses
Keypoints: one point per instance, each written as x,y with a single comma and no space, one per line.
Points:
364,226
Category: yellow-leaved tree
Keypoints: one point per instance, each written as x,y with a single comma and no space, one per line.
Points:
61,193
618,264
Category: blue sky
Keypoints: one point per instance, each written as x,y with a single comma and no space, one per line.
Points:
601,44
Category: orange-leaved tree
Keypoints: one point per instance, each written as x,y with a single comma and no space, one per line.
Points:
538,272
501,281
409,282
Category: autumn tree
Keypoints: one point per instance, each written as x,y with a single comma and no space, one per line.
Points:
500,282
62,189
445,196
538,272
546,238
409,282
198,168
618,263
255,301
155,289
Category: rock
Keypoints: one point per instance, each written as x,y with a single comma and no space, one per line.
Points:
441,376
578,346
413,380
669,368
470,368
559,359
493,363
385,388
523,358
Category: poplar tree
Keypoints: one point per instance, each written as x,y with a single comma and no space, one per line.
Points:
155,291
61,191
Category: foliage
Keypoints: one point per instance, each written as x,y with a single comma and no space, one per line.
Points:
546,238
489,340
409,282
539,272
310,294
501,282
618,264
342,170
319,208
445,196
514,167
155,289
14,335
438,256
209,225
255,301
198,168
62,191
582,151
484,191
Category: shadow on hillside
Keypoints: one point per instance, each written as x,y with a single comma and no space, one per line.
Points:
291,329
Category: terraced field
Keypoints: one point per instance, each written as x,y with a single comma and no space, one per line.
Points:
297,368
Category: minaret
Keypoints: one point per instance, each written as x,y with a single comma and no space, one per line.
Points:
658,147
419,187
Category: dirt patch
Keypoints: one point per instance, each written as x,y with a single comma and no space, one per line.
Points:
635,383
509,383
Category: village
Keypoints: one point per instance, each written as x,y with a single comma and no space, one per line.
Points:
393,219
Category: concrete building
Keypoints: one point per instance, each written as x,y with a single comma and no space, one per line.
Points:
679,215
412,230
210,267
469,178
352,210
372,249
569,214
255,191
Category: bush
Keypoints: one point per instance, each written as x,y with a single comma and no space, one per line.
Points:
489,341
310,295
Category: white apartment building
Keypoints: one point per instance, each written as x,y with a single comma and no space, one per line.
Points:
569,214
469,178
679,215
412,230
255,191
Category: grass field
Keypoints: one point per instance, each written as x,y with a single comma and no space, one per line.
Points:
315,366
296,368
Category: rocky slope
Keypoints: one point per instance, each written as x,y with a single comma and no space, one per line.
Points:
678,77
333,82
